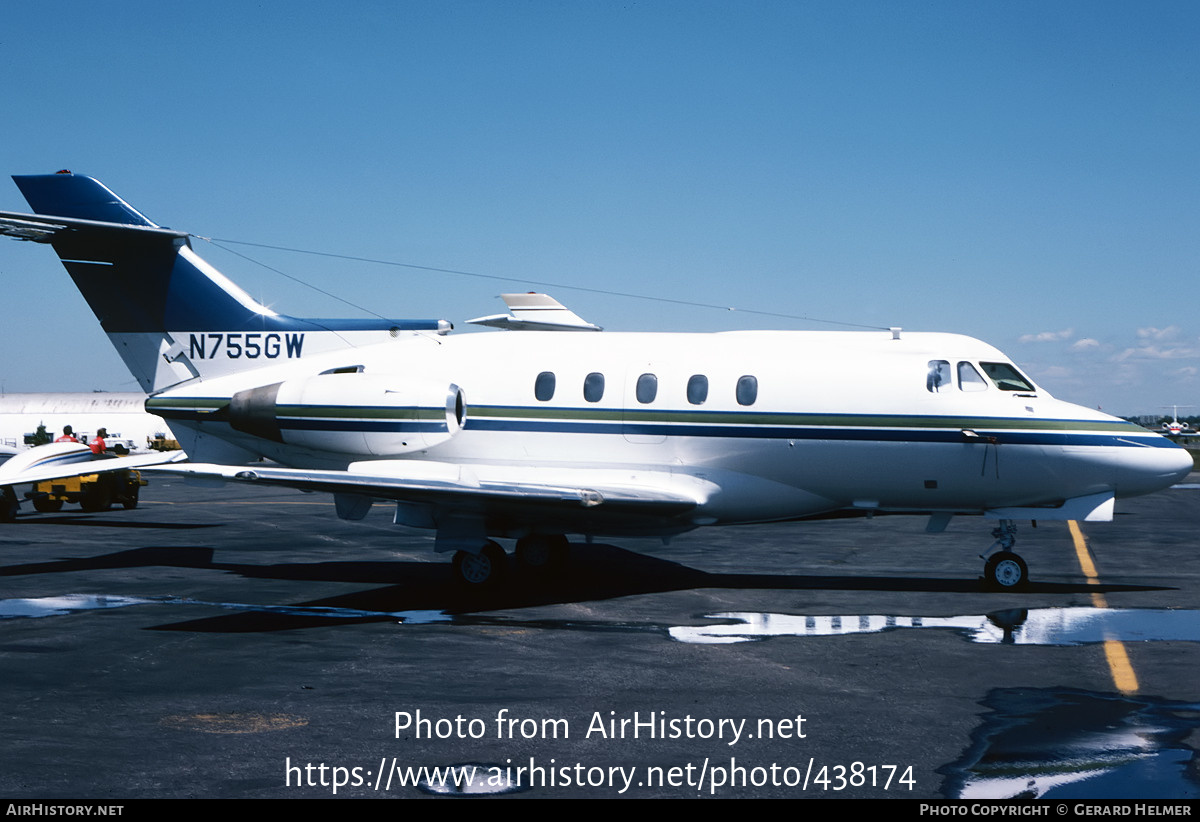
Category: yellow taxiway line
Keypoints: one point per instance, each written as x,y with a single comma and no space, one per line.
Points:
1114,650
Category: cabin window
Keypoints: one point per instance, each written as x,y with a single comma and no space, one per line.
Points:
1006,377
938,378
593,387
647,388
747,390
969,379
697,389
543,386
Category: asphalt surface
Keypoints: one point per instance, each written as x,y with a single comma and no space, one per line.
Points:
246,643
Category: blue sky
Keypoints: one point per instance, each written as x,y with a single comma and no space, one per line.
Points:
1023,172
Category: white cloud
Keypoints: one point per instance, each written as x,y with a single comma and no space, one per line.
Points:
1084,343
1154,352
1158,334
1047,336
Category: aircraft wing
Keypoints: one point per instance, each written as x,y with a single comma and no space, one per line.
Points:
466,489
59,460
535,312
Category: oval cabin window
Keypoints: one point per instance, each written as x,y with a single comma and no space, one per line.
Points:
647,388
747,390
593,387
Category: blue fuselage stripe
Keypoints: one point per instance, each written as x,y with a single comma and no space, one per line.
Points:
871,434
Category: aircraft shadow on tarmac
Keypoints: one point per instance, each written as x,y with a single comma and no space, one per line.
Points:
99,521
594,572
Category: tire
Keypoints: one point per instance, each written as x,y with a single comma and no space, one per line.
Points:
131,499
9,504
482,570
1005,571
47,505
96,498
542,552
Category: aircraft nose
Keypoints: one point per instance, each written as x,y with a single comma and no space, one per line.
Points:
1153,469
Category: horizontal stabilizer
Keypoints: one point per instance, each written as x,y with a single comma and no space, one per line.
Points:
43,229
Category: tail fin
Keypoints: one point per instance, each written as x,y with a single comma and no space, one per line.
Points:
170,315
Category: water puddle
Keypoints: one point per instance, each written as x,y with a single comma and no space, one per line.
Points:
68,603
57,606
469,779
1018,626
1061,743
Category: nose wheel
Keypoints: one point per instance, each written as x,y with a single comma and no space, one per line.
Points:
1005,571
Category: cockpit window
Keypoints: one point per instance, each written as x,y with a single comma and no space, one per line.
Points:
969,379
1006,377
938,379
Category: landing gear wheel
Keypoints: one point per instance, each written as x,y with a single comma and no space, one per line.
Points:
97,497
9,504
1005,571
46,505
542,552
481,570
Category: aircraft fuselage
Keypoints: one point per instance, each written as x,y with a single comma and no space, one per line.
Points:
775,425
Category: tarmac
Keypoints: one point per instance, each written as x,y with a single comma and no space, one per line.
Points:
243,642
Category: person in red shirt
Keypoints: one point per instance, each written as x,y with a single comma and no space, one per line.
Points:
68,435
97,442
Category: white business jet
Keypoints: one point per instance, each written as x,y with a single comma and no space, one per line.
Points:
534,435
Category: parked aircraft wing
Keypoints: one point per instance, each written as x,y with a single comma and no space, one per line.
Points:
607,492
59,460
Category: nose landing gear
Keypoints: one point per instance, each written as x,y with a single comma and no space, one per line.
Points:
1005,570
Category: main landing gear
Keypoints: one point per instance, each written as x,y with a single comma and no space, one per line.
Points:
484,569
1005,571
539,553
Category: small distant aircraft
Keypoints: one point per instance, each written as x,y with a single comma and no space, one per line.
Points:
534,435
1175,428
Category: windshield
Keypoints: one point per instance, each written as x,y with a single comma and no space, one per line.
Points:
1006,377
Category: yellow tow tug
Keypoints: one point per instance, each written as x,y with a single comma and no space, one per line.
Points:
93,492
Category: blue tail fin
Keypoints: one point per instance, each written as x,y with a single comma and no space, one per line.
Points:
171,315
